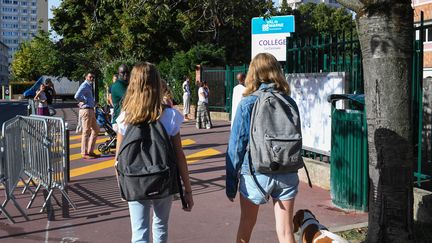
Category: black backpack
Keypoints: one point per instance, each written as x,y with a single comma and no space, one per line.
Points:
147,167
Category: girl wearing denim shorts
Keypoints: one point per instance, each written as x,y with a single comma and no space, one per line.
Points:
264,70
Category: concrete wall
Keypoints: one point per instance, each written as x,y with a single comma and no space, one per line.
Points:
320,176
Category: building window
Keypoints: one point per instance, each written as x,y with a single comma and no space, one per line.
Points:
24,10
24,3
33,11
24,18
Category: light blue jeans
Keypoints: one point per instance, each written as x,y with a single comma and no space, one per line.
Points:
140,219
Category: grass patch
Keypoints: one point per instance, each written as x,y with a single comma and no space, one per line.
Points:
354,235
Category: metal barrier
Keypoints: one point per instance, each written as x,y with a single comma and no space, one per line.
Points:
37,145
11,163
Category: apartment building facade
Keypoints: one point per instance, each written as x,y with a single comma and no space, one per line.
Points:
20,21
4,64
426,7
294,4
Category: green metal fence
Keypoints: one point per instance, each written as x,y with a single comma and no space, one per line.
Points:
423,167
221,81
335,53
342,53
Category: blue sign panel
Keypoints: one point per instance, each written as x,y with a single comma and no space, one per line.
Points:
273,25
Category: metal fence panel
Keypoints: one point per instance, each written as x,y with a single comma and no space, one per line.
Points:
36,148
11,162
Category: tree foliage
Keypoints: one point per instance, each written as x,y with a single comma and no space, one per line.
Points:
93,34
319,19
183,64
34,58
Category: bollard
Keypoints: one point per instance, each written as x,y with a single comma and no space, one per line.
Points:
65,203
67,166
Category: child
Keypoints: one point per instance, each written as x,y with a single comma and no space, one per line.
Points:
41,97
166,94
143,104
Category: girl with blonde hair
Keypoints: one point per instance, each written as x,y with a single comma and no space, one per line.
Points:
255,188
143,104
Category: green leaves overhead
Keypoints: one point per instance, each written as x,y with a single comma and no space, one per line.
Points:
35,58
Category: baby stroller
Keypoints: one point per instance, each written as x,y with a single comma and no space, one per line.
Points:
103,121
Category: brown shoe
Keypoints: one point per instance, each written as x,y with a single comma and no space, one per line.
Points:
93,155
86,156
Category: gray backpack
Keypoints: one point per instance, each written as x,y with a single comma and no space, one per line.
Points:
275,133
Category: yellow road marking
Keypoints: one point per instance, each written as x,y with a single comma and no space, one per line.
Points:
75,137
78,145
195,157
185,142
92,168
192,158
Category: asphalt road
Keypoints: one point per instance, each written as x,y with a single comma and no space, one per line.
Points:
102,216
10,109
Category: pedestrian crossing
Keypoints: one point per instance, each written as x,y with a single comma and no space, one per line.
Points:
106,162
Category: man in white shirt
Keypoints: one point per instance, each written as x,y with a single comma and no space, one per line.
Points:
237,94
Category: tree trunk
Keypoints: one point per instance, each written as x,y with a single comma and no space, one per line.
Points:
386,38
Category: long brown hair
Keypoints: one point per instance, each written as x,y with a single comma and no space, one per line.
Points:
143,101
264,68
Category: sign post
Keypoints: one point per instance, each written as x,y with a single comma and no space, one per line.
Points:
269,35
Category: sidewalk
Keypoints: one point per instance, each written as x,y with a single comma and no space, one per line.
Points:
103,217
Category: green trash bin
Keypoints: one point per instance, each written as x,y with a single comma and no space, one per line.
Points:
348,159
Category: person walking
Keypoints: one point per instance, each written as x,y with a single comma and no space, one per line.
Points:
90,129
50,94
118,91
203,113
109,96
265,74
41,98
186,98
237,95
143,104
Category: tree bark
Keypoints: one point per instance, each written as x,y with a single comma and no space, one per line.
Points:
385,31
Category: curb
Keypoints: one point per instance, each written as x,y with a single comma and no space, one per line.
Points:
348,227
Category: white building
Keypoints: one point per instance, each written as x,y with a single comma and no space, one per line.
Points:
294,4
20,20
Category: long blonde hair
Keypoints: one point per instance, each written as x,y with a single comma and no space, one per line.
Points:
264,68
142,102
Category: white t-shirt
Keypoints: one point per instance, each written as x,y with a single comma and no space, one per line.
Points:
202,95
237,96
171,120
42,96
186,88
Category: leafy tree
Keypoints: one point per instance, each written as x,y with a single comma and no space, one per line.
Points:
34,58
385,29
183,64
285,9
319,19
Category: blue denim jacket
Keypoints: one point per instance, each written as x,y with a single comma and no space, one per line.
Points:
237,158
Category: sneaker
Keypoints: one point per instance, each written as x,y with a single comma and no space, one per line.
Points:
208,127
197,126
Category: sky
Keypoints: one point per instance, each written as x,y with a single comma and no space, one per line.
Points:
52,4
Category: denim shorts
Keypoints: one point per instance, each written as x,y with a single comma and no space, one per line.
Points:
282,187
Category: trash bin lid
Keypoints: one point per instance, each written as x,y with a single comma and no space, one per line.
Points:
358,98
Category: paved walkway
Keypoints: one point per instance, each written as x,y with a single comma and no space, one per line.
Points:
103,217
